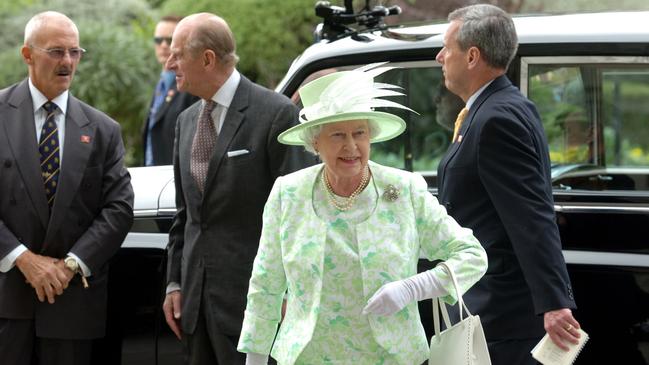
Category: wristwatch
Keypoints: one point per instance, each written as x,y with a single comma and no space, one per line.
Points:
73,265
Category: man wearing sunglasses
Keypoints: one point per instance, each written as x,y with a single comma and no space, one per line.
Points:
66,205
167,102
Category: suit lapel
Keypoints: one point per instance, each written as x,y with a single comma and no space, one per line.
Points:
171,95
21,135
186,138
498,84
233,120
76,152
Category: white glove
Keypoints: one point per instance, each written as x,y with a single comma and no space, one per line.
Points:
393,297
253,358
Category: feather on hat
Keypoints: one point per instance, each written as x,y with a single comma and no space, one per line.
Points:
348,95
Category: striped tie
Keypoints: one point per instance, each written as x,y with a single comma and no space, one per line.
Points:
48,147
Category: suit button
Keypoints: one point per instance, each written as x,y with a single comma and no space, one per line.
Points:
20,239
12,201
570,294
7,163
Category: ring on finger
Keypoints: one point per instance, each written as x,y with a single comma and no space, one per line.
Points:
569,327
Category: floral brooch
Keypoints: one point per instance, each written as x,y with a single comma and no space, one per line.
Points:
391,193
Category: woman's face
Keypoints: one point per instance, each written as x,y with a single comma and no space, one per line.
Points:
344,147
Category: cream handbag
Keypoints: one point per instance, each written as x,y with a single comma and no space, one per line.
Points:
463,343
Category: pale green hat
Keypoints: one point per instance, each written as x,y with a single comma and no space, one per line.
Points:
347,95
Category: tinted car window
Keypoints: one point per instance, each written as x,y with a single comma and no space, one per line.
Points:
595,114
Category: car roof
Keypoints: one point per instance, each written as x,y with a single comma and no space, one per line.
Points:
605,27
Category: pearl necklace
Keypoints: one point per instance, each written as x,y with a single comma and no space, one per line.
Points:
347,202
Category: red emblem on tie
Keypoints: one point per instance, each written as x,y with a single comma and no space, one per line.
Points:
85,139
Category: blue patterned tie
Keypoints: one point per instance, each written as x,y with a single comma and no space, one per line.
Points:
48,147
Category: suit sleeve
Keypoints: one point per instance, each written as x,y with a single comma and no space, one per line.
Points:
177,231
109,228
286,159
441,237
513,174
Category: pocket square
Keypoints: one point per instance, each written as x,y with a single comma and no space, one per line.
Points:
237,153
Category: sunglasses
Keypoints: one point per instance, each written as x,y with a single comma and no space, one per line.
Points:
59,53
159,40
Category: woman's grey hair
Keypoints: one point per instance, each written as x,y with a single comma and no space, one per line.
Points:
490,29
214,35
309,135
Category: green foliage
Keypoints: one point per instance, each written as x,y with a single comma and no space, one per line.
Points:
116,76
118,72
269,35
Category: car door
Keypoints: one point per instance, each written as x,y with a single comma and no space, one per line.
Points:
595,112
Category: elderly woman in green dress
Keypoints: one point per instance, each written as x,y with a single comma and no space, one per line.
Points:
341,241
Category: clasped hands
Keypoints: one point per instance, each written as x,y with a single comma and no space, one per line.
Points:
47,275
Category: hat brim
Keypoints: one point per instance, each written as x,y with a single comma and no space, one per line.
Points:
390,126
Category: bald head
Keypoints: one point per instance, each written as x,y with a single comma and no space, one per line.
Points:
205,31
39,24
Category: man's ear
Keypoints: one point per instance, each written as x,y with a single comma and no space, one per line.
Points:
26,52
209,58
473,56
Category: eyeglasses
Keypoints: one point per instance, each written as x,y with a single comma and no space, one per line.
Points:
159,40
59,53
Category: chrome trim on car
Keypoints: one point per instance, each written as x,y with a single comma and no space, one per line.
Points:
562,208
146,240
145,213
573,60
606,258
167,211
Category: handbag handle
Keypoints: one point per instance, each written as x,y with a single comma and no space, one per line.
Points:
439,304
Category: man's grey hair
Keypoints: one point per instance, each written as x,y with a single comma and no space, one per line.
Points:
38,20
309,135
490,29
214,35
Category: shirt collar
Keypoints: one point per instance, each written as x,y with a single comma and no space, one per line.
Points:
39,99
475,95
226,92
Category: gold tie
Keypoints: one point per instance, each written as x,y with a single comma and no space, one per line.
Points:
458,122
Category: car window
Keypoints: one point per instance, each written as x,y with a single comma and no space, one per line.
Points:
429,131
595,114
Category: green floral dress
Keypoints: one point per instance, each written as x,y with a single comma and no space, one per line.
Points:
342,333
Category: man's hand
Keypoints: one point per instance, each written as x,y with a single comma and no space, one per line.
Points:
68,273
171,309
44,273
562,327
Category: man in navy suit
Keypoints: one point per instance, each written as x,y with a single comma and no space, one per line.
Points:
495,179
167,102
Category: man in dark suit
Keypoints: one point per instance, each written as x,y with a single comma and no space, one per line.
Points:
65,208
166,104
226,159
495,179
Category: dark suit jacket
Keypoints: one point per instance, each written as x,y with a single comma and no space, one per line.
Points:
214,237
496,181
164,127
91,215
